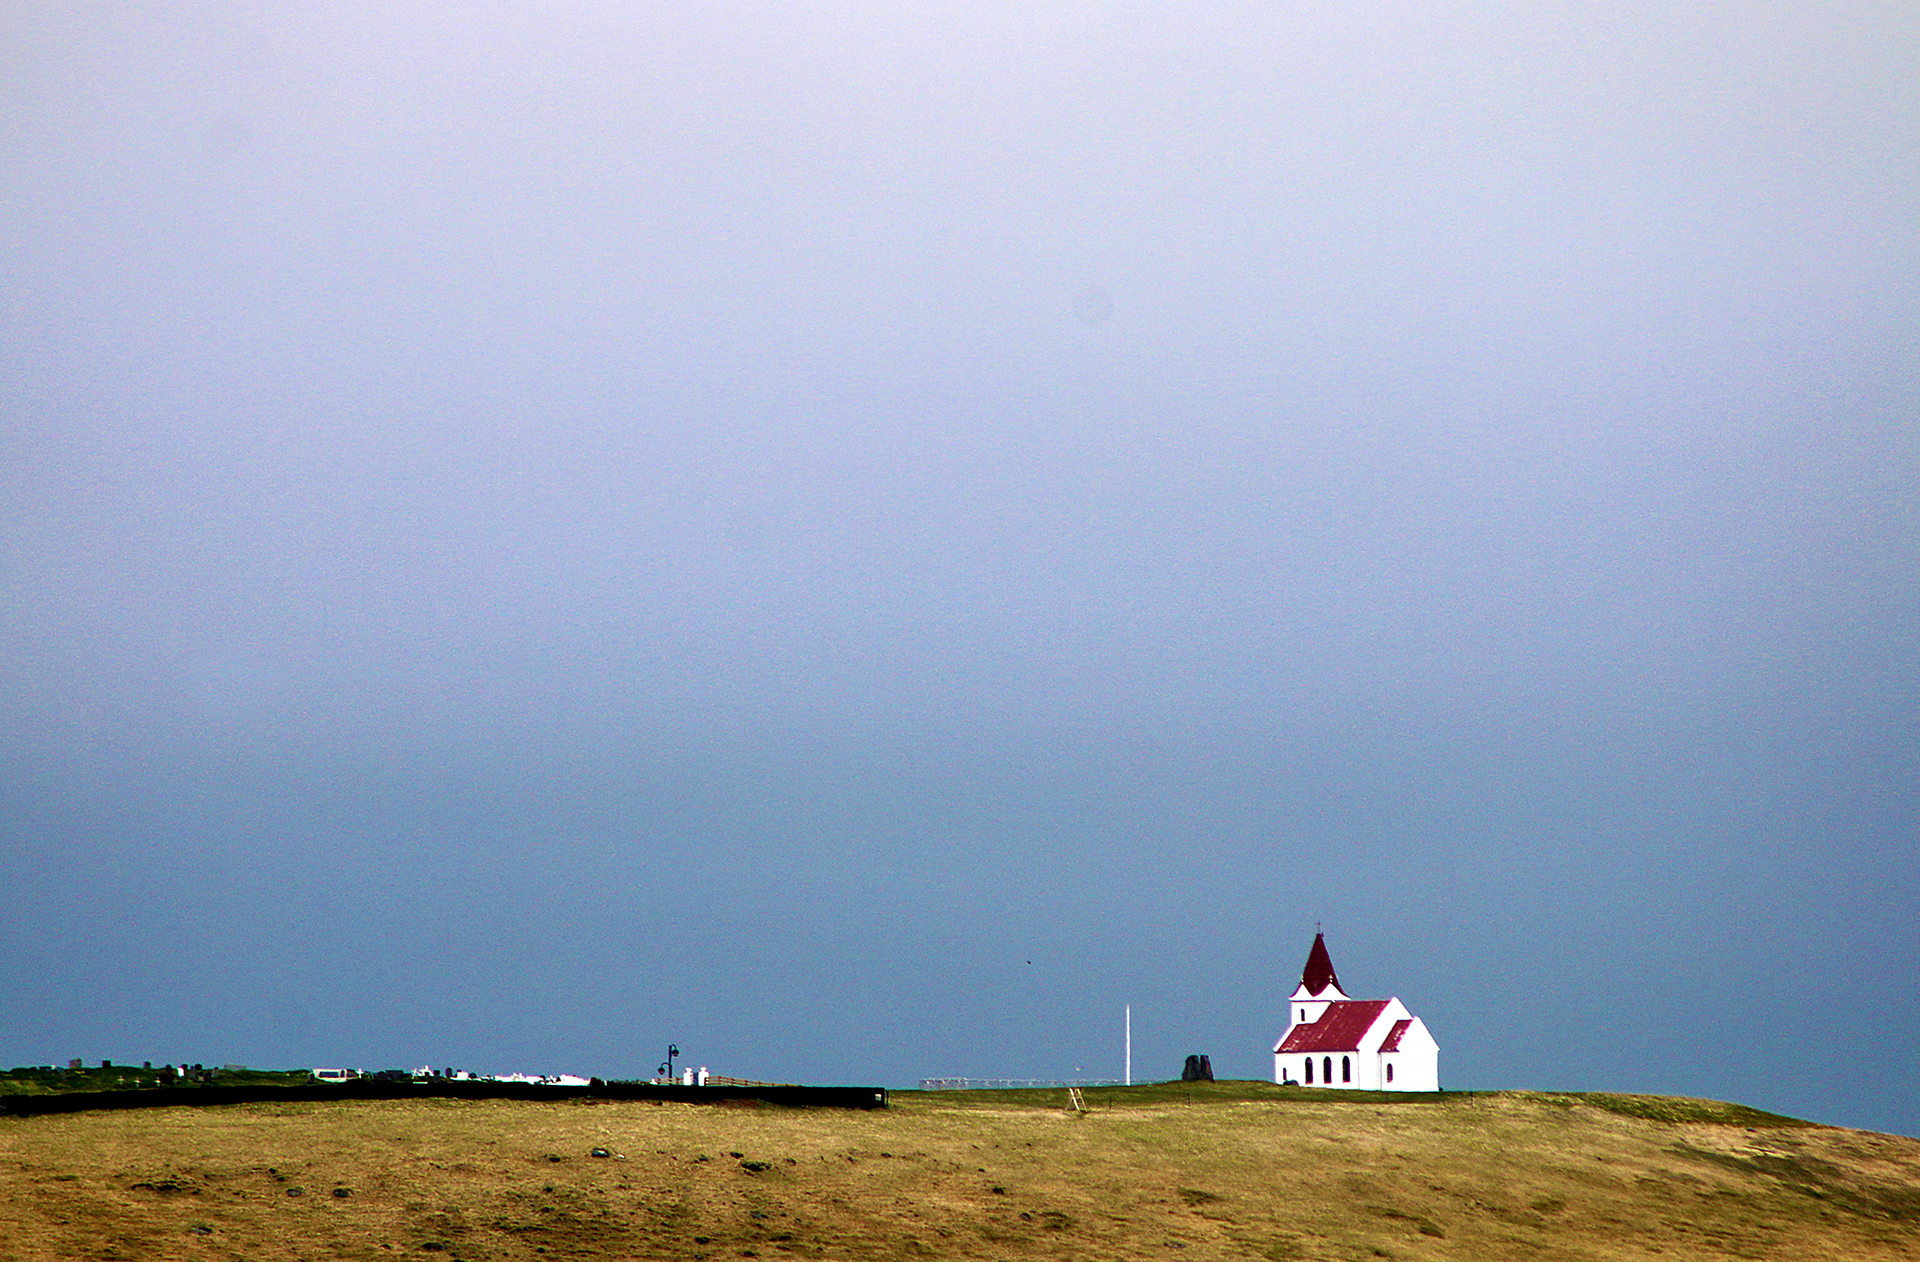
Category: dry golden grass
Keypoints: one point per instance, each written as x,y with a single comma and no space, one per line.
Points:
1229,1171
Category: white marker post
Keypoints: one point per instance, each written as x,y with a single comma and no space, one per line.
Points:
1129,1045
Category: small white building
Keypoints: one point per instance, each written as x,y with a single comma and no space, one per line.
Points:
1365,1044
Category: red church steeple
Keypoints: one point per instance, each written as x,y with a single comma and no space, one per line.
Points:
1319,974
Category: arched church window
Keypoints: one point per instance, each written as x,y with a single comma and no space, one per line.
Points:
1346,1069
1389,1073
1326,1069
1309,1071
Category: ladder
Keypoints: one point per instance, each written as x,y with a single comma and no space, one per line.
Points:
1076,1103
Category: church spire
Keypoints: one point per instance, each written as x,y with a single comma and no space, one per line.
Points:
1319,974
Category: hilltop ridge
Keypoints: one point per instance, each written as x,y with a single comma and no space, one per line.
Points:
1229,1170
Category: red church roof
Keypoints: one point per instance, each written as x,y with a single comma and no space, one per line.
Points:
1319,974
1339,1029
1392,1042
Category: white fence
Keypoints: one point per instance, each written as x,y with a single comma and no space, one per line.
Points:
1011,1084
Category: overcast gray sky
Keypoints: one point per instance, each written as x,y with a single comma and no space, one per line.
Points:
531,532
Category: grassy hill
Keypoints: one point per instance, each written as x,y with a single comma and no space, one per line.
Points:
1207,1171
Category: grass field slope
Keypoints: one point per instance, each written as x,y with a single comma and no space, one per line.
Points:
1175,1171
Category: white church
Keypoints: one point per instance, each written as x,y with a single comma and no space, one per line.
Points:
1365,1044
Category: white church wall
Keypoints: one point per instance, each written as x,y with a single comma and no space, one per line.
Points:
1304,1011
1417,1063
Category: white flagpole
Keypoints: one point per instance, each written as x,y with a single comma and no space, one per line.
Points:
1129,1045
